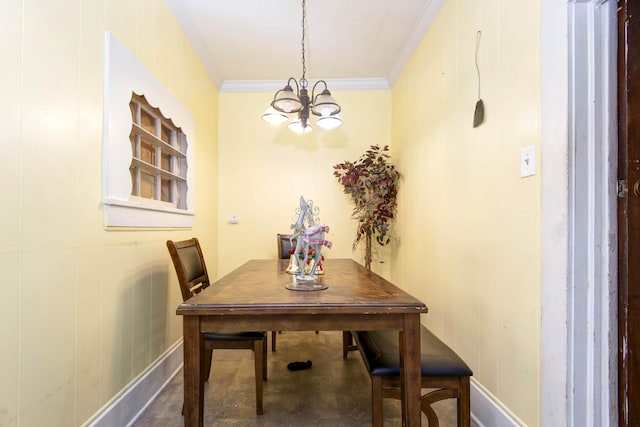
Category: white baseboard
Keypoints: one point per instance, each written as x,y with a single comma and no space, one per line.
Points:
125,408
487,411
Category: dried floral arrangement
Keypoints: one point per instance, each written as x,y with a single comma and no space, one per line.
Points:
372,183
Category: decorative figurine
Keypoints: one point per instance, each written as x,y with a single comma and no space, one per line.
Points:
310,240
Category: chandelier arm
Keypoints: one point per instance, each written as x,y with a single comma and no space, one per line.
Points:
291,79
313,91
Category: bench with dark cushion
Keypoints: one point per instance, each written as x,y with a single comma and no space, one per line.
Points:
442,370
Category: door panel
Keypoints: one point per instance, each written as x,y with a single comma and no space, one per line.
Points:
629,212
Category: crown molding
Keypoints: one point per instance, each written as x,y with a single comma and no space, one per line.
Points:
239,86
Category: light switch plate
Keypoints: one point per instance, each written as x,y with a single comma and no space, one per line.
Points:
528,161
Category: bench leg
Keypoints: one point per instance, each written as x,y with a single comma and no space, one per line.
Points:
206,368
376,401
464,403
432,417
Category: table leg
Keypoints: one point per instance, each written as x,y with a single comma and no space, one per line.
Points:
193,386
410,377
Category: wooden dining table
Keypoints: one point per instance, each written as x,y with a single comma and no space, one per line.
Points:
255,296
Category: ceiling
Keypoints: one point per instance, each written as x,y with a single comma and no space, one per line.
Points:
353,43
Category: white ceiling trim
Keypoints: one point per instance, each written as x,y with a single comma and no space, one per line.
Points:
237,86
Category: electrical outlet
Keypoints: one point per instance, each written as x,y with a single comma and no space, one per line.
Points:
233,219
528,161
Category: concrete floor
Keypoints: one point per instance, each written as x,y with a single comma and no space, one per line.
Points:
333,392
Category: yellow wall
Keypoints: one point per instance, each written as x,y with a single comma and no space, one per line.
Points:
468,225
84,310
264,169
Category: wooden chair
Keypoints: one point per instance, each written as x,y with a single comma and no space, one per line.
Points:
193,277
285,242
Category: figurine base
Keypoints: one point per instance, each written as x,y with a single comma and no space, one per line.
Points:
306,286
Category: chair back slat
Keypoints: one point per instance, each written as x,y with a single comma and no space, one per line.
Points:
285,243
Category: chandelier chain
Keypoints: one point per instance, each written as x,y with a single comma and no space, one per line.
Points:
286,101
303,81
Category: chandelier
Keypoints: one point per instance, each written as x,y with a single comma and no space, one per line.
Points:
299,104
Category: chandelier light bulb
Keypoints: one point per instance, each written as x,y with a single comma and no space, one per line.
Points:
329,122
324,104
273,116
286,100
296,126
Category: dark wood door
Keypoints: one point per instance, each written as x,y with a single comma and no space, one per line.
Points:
629,212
